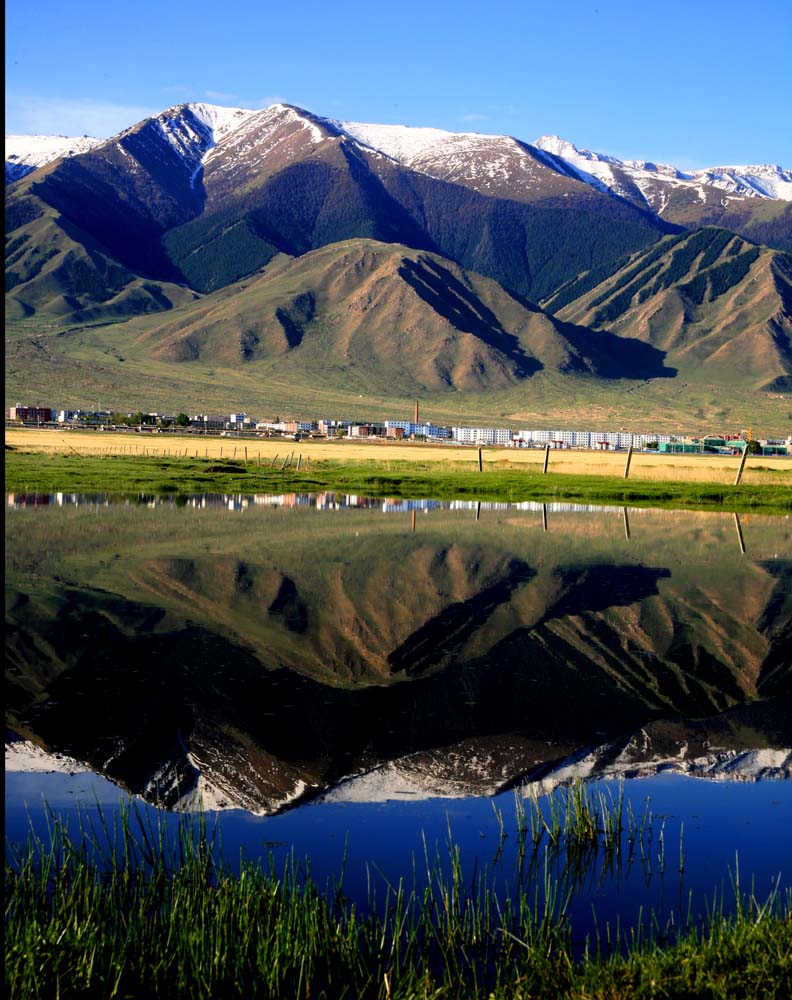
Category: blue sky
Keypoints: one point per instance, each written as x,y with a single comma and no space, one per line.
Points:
694,83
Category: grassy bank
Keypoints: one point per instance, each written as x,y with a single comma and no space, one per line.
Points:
134,911
132,474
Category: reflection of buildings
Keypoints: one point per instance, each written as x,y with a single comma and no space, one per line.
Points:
399,506
318,501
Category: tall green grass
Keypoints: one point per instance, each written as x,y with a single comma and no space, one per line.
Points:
131,908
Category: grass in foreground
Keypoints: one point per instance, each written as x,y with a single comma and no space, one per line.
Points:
31,472
137,912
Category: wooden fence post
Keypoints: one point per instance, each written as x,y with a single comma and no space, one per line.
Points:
481,467
546,459
742,465
627,463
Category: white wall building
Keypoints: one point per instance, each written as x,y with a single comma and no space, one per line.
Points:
481,435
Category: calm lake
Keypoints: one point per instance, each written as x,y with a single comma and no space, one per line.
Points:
355,682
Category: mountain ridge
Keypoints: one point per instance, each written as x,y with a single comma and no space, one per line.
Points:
409,144
201,201
707,299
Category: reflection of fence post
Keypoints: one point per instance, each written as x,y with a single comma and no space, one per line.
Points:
547,458
412,519
626,524
544,517
481,466
478,510
742,465
738,526
627,463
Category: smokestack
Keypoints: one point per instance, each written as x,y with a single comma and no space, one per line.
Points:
415,418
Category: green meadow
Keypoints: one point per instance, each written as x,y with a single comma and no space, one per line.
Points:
133,474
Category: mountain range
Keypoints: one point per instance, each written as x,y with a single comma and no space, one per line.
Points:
279,653
424,258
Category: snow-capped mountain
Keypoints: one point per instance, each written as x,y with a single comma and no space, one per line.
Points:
655,183
200,196
190,131
26,153
491,164
193,130
640,759
199,132
224,777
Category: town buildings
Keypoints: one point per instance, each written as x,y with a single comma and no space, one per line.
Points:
398,430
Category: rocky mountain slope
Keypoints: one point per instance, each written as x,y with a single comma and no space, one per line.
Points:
26,153
203,196
204,214
754,201
401,317
708,300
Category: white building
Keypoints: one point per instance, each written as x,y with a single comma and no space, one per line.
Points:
481,435
411,429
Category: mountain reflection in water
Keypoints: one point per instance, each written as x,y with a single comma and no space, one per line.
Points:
256,661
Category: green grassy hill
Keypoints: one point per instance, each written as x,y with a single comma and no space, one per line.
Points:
400,319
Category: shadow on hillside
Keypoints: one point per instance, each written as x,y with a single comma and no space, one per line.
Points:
613,356
460,305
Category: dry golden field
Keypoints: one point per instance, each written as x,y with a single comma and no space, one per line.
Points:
644,465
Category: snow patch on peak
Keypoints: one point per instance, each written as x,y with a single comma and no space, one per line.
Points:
26,153
24,755
488,163
277,114
399,142
221,121
637,760
762,180
556,145
765,181
566,150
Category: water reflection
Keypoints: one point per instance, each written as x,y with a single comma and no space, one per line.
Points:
450,649
320,501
